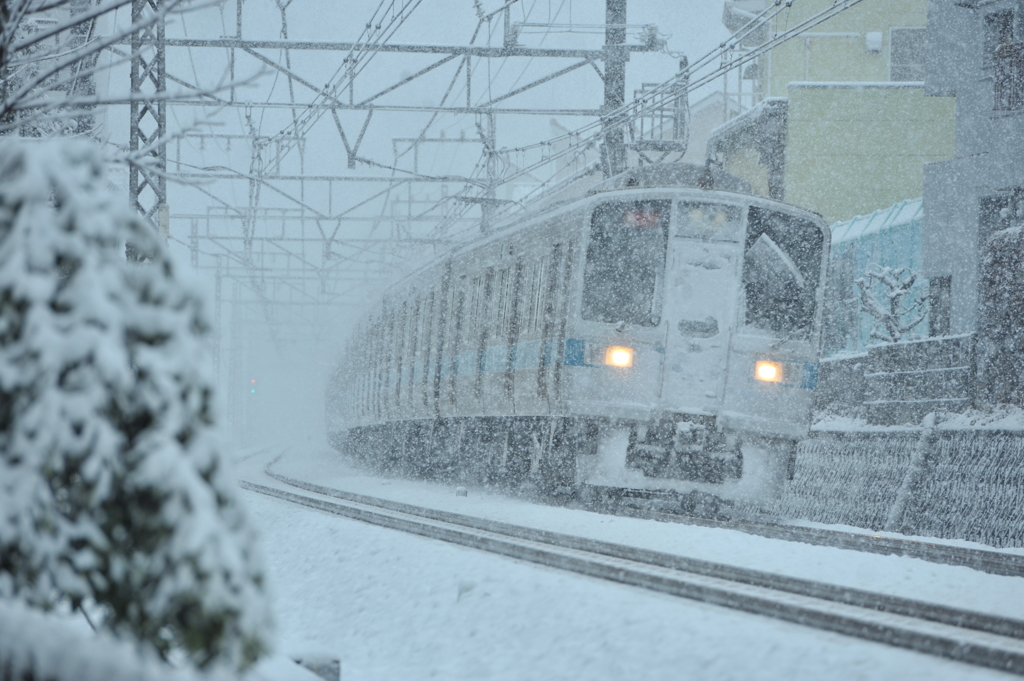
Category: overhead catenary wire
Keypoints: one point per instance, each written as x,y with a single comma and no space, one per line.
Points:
632,110
355,61
572,146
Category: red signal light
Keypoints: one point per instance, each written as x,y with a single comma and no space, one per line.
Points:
642,219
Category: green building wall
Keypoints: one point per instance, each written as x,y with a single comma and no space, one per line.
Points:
852,141
825,54
851,149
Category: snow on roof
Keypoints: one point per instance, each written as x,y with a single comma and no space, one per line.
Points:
749,115
897,215
855,84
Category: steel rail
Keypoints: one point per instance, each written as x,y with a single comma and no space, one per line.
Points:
982,560
960,635
991,562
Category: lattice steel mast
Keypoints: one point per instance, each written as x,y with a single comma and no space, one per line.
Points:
148,121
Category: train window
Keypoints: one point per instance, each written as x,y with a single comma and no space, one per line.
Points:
428,344
452,320
389,346
538,295
457,343
625,260
414,350
515,306
709,222
503,305
400,327
525,295
486,312
781,267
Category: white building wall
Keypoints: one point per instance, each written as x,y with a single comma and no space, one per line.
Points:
989,155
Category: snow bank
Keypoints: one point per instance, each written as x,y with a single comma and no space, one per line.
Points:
43,647
395,606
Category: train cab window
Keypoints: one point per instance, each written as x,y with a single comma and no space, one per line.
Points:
781,267
626,262
709,222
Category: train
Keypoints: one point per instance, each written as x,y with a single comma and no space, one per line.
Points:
654,339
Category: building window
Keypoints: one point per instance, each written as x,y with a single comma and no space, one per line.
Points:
939,289
1000,211
906,54
1007,56
993,215
998,32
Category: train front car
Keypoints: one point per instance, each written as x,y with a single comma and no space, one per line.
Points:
697,338
656,338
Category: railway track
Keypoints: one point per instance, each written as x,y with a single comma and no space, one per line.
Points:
961,635
992,562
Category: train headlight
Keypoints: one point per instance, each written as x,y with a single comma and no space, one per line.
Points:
769,372
618,356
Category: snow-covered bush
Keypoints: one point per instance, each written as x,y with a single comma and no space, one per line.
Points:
112,488
901,308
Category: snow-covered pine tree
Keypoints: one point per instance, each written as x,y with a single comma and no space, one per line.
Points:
112,487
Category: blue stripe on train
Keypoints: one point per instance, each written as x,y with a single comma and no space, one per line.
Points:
810,376
574,352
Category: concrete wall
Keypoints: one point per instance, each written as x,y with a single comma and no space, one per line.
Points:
854,148
987,160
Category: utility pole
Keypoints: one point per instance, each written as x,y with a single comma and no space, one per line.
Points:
615,56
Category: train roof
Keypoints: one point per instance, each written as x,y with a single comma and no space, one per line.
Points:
656,176
673,176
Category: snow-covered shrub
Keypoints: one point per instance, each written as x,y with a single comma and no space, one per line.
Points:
43,647
112,488
901,307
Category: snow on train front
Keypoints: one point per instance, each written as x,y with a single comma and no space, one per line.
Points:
740,313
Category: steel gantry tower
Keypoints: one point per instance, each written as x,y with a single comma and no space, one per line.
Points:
286,244
147,173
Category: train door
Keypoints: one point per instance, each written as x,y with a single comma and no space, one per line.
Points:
701,291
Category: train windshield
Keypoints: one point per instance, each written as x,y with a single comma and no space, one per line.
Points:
626,262
781,267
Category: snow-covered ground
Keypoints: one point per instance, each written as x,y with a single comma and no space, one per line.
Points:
397,606
908,577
